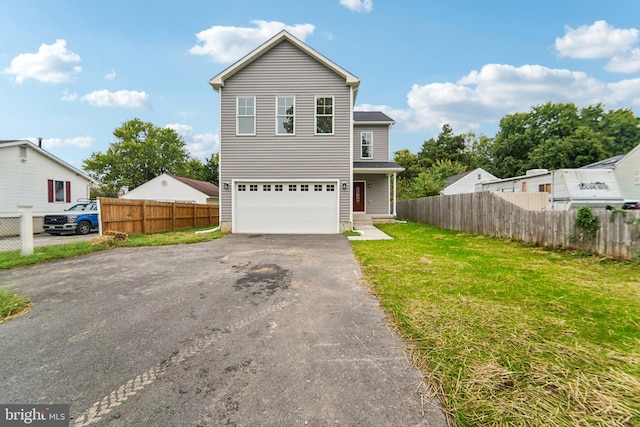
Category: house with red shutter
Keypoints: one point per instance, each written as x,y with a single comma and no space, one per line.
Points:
31,176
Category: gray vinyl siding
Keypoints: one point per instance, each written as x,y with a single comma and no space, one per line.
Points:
285,71
377,197
380,142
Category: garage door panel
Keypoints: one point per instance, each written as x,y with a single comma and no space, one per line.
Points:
285,211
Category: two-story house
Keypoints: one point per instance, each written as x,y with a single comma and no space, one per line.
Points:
294,156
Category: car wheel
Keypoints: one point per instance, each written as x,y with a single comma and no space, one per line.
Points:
84,227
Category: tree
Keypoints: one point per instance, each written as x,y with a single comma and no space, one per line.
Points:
446,147
409,162
622,128
479,149
556,136
142,152
429,182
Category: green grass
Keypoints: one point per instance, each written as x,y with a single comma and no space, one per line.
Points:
12,304
512,334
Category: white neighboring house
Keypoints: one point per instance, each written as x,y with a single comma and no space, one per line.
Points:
466,182
173,188
627,172
31,176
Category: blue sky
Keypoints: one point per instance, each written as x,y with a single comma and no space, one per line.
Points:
71,71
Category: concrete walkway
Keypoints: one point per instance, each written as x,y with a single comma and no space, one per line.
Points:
369,232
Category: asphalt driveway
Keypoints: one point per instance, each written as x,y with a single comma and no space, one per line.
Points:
244,330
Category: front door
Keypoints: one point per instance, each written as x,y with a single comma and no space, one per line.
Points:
358,196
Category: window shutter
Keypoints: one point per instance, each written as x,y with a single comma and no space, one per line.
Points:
68,191
50,189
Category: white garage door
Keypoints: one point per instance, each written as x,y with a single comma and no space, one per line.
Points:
285,207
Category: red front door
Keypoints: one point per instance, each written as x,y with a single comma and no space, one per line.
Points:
358,196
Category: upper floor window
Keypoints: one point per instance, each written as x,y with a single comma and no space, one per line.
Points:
366,145
324,115
246,116
285,115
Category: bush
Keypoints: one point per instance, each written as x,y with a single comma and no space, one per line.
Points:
586,221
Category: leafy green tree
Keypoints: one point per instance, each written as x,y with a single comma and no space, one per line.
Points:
142,152
622,128
431,181
212,169
446,146
521,133
556,136
576,150
409,162
479,149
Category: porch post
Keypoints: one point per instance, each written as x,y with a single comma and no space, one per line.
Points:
394,193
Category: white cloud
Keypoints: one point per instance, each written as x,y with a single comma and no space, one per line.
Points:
496,90
53,63
599,40
78,141
121,99
358,5
67,96
200,145
628,62
111,75
228,44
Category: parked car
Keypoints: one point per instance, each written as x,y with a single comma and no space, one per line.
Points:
631,205
81,218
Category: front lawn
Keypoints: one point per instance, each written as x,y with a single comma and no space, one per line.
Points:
512,334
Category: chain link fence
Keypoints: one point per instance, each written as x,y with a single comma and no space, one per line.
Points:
10,239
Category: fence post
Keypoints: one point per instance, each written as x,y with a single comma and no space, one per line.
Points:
26,229
99,216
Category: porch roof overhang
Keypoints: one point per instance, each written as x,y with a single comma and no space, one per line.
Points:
377,167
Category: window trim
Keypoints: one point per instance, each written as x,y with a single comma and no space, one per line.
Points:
52,191
316,115
278,116
238,115
362,145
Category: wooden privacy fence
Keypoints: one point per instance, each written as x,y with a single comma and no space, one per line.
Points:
149,216
618,234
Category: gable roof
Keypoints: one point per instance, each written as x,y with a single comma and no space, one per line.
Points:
455,178
205,187
606,163
372,117
217,82
34,147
